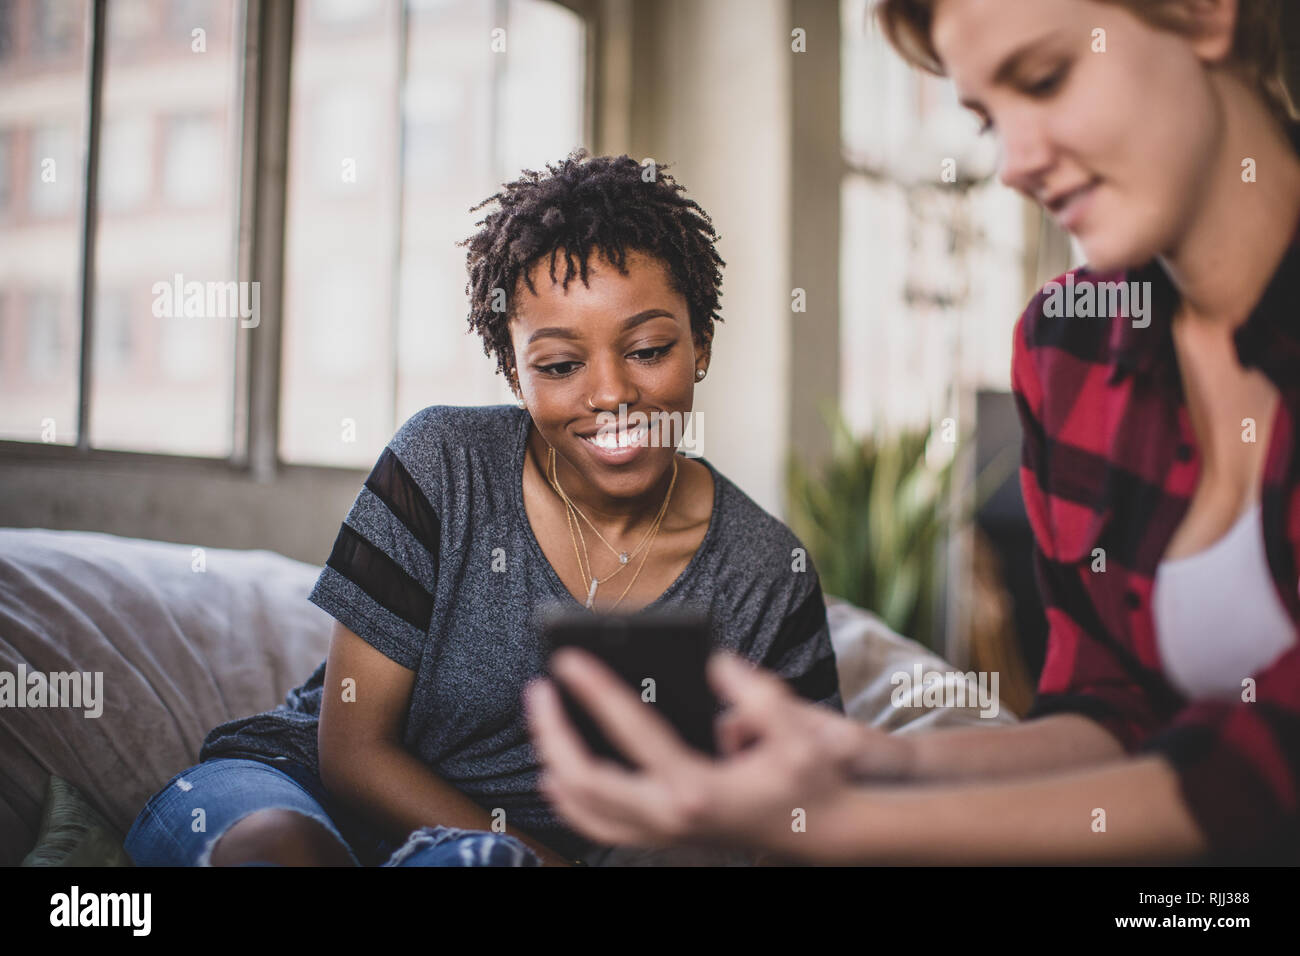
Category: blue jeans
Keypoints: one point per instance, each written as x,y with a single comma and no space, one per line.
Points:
183,821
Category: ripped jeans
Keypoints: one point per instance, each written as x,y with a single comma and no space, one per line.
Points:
183,821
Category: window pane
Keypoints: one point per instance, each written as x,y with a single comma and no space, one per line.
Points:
451,165
336,395
543,61
166,308
930,273
125,143
42,149
470,120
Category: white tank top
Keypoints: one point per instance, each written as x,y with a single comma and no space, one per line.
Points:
1218,618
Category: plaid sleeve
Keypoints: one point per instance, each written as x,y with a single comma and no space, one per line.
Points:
1085,670
801,651
1239,764
380,578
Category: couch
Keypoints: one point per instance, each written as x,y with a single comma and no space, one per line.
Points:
187,637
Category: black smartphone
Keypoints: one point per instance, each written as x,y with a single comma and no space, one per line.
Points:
660,655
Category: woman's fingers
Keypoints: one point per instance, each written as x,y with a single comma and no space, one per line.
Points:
734,733
876,755
558,744
597,795
744,685
678,795
639,732
841,739
601,798
578,812
763,706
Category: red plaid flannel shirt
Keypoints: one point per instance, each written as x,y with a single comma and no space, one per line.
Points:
1110,461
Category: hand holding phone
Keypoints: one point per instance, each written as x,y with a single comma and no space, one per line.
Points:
660,655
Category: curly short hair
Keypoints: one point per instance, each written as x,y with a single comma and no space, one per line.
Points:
607,204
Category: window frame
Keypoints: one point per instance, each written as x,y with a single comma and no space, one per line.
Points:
263,93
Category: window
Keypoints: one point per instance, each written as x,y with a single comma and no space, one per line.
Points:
374,281
6,171
113,346
168,169
401,116
131,24
53,183
127,151
59,25
42,128
8,28
46,342
193,171
931,270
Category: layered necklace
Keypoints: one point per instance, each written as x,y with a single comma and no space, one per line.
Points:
572,514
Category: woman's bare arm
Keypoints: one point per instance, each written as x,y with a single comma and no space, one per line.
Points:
362,759
966,779
1130,811
1058,742
1068,797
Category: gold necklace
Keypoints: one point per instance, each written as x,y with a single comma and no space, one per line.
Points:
650,535
569,508
586,571
553,476
634,576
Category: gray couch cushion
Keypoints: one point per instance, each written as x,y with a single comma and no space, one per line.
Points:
180,650
878,670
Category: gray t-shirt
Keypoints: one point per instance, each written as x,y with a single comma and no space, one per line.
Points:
437,567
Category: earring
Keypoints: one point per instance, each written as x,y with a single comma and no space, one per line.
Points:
699,375
521,403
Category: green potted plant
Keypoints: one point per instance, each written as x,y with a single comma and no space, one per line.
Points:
875,518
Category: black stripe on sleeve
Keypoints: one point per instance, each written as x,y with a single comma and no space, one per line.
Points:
821,681
799,627
386,581
394,486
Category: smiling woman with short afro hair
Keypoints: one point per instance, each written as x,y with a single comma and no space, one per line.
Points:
582,204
